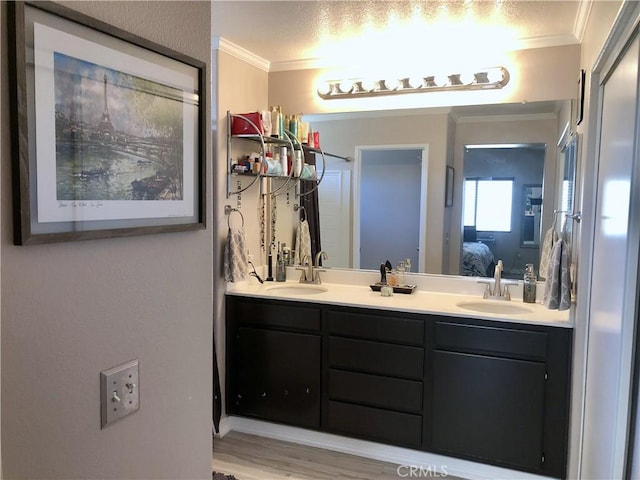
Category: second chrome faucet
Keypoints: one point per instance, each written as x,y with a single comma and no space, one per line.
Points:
500,290
310,273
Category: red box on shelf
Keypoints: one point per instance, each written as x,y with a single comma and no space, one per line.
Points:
240,126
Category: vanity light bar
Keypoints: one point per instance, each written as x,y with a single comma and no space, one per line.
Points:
488,78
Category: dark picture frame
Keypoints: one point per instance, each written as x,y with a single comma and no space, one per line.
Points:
580,99
108,130
448,194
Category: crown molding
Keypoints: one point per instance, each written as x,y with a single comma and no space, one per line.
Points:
507,118
306,64
240,53
582,17
546,41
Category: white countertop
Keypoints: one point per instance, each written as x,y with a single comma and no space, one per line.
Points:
423,300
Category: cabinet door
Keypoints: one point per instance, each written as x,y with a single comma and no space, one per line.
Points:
488,408
276,376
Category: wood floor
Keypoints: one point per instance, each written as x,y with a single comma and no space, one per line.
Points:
249,457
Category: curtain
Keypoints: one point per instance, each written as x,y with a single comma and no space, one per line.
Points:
311,207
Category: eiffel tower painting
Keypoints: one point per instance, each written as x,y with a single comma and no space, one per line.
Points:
106,127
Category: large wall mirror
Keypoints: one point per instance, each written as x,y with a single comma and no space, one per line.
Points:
517,147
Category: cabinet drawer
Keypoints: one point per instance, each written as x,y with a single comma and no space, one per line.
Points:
375,357
394,329
384,392
506,341
274,314
402,429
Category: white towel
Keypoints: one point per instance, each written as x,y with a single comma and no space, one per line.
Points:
303,243
235,256
557,287
550,238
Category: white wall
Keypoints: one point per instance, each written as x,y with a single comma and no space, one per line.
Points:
70,310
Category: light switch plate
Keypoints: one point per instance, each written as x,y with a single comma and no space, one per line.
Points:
119,392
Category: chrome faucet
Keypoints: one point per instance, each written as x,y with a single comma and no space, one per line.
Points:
500,289
307,270
497,277
311,273
320,255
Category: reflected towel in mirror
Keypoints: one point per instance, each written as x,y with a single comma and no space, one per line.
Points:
303,242
550,238
235,256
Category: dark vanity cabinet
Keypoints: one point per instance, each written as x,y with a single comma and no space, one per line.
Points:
487,391
374,375
274,354
499,393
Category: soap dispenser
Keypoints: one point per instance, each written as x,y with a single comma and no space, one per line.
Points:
529,284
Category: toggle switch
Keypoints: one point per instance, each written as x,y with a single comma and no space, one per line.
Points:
119,392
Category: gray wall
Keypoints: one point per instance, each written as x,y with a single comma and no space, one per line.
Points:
70,310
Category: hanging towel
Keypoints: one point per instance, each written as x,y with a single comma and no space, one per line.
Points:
557,287
550,238
303,242
235,256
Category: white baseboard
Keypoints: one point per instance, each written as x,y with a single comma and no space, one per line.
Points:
224,427
423,462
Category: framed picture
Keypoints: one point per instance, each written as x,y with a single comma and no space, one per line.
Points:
580,103
448,195
108,130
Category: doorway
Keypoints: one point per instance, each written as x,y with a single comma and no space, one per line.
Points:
390,205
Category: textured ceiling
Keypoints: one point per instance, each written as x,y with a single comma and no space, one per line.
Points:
282,32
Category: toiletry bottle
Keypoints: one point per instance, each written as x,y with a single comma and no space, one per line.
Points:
281,122
529,285
310,138
297,164
284,161
275,122
293,126
281,269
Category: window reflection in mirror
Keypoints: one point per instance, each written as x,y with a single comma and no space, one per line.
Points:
531,216
494,177
567,167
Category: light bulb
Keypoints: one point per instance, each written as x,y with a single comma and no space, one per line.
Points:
369,85
495,75
346,86
466,78
416,82
324,88
441,79
393,84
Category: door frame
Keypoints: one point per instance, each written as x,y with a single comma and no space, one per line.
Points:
355,205
621,34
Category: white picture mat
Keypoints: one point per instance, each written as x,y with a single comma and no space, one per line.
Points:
48,40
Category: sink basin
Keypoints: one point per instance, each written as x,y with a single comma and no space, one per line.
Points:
297,289
492,306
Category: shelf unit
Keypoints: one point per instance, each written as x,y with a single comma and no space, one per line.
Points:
290,142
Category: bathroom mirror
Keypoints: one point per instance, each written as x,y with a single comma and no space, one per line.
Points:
342,131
